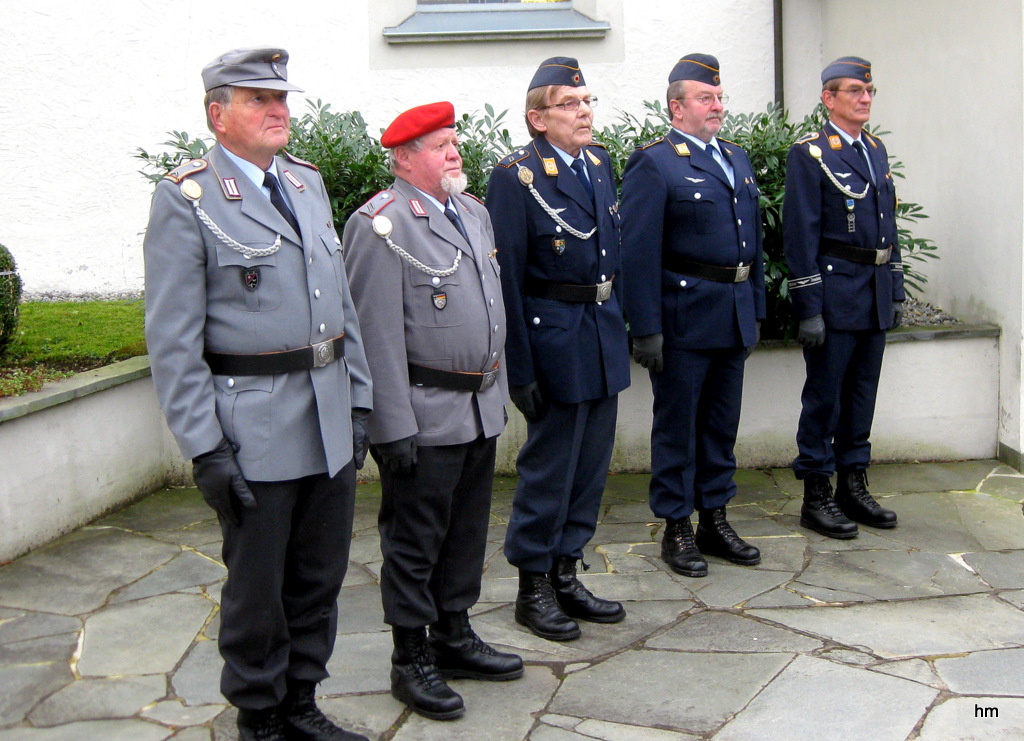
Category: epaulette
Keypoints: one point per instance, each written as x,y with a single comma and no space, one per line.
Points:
738,146
292,158
517,156
473,197
377,204
873,140
595,143
650,143
185,169
809,138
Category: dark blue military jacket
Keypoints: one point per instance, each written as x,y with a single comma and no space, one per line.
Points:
850,295
575,351
676,199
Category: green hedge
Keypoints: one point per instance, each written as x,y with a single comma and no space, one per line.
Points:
10,298
354,167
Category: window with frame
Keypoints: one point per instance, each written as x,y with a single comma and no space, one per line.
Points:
494,20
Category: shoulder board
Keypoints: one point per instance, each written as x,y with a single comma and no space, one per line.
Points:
517,156
650,143
596,143
377,204
726,141
809,138
185,169
292,158
470,195
871,139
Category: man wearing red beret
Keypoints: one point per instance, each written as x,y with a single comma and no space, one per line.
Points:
425,282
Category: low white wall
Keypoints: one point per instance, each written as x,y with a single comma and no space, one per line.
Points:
65,464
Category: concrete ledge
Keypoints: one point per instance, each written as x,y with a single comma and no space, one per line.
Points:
92,443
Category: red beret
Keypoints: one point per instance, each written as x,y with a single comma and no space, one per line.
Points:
418,121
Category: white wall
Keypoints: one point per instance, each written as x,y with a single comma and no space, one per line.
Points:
87,83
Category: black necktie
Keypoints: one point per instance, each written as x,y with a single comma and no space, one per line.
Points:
863,153
581,172
269,181
454,218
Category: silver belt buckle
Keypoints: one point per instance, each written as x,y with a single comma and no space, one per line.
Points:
323,353
487,379
882,256
742,273
604,291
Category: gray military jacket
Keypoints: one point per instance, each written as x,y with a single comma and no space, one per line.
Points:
454,322
204,293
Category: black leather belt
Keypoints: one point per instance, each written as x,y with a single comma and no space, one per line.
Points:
717,273
831,248
453,380
270,363
568,291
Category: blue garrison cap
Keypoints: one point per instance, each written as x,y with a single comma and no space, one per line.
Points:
558,71
259,68
699,67
853,67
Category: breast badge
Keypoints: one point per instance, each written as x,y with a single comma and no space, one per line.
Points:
251,278
558,245
440,299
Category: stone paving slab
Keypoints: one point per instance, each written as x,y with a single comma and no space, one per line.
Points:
110,632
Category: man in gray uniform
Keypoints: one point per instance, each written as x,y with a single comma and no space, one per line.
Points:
425,282
260,371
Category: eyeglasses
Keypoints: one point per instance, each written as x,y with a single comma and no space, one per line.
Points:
707,98
857,92
573,104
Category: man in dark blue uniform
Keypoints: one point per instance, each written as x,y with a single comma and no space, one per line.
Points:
692,257
846,280
556,226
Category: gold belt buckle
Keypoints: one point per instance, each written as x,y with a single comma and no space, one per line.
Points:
742,273
604,291
323,353
882,256
487,379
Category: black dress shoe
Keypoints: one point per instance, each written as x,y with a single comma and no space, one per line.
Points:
856,503
576,600
415,679
715,537
820,512
304,721
459,652
538,610
679,550
260,725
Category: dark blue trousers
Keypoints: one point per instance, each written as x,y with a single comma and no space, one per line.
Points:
697,401
279,606
838,402
562,469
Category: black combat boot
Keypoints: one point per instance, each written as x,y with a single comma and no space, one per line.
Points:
715,537
415,679
856,503
459,652
679,550
819,511
576,600
304,721
538,610
260,725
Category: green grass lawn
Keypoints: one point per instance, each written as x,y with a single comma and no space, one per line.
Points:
55,340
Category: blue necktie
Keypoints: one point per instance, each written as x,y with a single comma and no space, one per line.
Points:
269,181
863,153
581,172
453,217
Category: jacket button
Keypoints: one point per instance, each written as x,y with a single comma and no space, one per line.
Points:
696,196
323,327
682,284
231,383
828,268
316,293
536,320
435,281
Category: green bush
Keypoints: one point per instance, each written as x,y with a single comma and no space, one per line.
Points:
10,298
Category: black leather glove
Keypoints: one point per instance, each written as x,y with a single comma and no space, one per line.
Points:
897,314
811,332
647,352
757,338
528,400
218,476
360,436
399,456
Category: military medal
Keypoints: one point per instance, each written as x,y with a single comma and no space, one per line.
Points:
851,218
440,298
558,245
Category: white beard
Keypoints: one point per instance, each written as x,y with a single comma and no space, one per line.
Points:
452,184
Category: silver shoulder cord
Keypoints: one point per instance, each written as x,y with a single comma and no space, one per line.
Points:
553,213
247,252
382,227
842,188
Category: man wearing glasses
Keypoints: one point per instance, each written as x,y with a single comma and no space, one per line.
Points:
556,226
692,257
839,233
